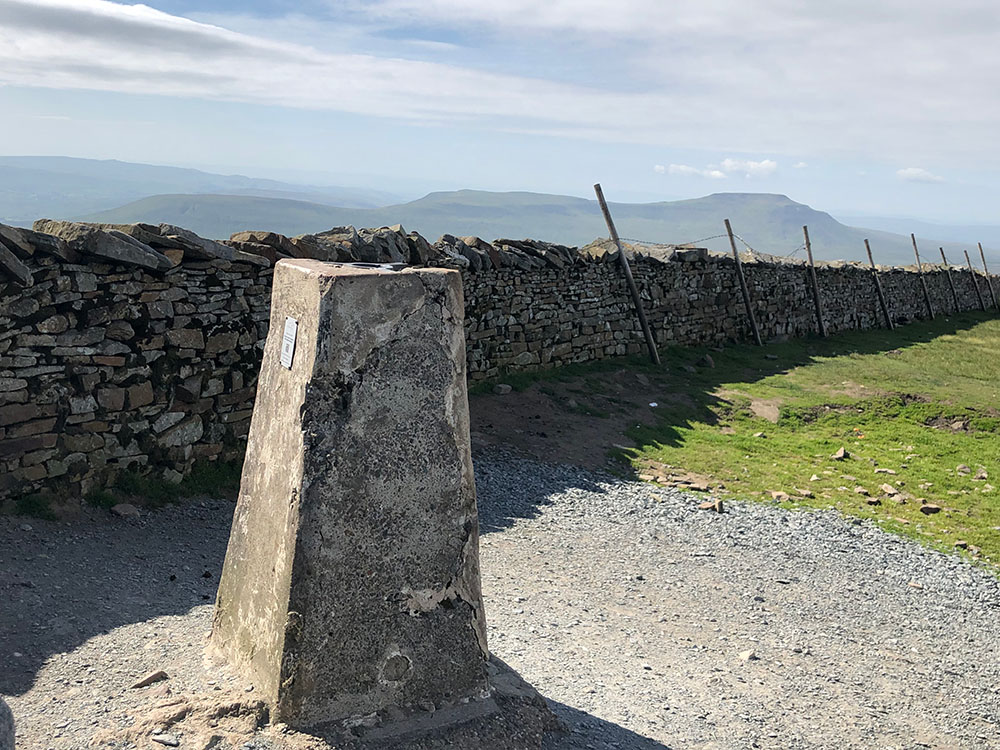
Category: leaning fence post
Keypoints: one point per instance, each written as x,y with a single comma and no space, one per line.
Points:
975,282
743,286
627,270
951,281
989,280
878,289
820,326
923,281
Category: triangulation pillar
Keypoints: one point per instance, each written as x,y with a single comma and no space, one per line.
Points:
351,583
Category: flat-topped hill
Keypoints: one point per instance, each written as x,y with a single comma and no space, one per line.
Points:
769,223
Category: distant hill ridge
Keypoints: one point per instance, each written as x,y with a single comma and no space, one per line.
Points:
63,187
217,205
769,223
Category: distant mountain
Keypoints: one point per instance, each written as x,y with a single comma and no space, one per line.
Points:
769,223
219,216
61,187
988,234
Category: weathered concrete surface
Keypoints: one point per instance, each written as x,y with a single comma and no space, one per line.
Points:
6,727
351,582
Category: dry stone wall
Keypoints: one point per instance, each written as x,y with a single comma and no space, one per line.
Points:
109,366
138,347
520,320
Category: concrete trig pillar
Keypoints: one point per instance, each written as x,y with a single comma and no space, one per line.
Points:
6,727
351,583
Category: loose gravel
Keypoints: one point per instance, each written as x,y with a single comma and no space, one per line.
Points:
645,622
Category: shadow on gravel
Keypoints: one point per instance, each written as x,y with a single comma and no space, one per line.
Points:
588,732
62,584
505,493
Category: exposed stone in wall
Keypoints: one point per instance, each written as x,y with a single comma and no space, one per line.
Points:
111,366
111,360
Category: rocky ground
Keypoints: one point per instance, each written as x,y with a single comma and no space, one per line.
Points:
645,622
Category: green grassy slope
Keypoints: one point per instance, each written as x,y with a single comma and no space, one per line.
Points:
917,408
910,407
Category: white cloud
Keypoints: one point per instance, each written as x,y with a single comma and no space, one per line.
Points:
799,165
929,59
917,174
683,170
749,168
739,73
659,169
624,17
94,44
727,168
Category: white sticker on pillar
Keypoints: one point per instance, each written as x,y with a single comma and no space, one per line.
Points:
288,342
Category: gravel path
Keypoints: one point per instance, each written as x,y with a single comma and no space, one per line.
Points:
646,622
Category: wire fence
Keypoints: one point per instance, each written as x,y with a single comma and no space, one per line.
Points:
747,245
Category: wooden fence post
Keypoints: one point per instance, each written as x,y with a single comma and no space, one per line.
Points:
627,270
975,282
989,280
951,281
820,326
878,289
743,286
923,281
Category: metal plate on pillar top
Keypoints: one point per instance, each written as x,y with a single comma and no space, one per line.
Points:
377,266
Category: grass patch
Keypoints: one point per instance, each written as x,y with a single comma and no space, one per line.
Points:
919,401
101,499
35,505
214,478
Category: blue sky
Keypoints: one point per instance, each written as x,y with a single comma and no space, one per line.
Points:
880,108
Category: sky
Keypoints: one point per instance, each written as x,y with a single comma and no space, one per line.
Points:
882,108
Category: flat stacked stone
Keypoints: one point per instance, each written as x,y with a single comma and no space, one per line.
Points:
108,366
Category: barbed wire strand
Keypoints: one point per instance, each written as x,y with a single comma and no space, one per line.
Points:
649,243
753,252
